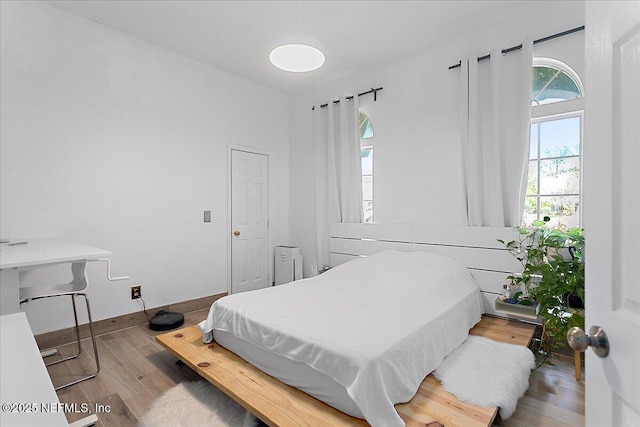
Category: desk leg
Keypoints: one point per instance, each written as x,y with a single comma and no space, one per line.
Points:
9,291
577,364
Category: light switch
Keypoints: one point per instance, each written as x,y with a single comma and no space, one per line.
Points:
207,216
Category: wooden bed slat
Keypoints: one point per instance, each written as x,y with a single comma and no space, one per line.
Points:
274,402
278,404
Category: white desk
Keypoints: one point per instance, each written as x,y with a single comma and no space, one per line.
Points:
25,379
36,253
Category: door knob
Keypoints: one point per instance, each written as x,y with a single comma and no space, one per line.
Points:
236,233
597,340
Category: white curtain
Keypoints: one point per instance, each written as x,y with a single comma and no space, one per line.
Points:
495,119
338,170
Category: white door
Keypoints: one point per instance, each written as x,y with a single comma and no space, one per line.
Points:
612,210
249,226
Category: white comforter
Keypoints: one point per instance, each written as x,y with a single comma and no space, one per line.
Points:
376,325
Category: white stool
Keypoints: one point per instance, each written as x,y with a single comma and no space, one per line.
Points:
77,286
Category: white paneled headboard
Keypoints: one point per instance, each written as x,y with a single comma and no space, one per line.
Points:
475,247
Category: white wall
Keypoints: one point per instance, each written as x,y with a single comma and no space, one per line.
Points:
416,151
117,144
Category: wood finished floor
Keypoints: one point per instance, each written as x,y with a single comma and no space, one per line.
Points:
135,370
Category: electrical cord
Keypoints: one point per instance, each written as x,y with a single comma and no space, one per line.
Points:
144,309
539,350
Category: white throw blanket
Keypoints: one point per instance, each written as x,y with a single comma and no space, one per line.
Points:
376,325
487,373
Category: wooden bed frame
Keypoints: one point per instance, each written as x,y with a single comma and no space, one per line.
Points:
278,404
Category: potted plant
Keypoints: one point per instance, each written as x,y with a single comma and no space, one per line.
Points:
552,275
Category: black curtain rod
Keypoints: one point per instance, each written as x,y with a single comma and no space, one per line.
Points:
511,49
374,91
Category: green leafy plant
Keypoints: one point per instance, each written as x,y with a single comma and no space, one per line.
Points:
553,275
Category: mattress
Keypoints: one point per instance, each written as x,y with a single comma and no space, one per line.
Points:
360,337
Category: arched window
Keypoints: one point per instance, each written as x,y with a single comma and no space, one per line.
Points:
554,81
366,156
366,128
555,154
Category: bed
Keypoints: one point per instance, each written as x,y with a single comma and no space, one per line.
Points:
361,337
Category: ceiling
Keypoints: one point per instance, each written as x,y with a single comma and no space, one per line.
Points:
237,36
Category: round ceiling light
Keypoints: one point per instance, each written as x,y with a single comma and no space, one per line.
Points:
297,58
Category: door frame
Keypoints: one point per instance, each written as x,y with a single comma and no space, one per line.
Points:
251,150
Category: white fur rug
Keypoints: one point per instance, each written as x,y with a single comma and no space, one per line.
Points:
197,404
487,373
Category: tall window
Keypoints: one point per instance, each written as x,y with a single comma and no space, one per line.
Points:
554,183
366,156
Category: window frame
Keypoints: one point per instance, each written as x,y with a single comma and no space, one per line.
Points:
368,143
559,65
539,158
557,111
